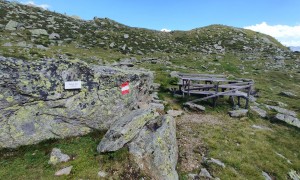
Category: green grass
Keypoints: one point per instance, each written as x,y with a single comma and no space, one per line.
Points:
246,151
31,162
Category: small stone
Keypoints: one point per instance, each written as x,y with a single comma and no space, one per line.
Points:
41,47
157,106
266,176
156,86
280,155
260,127
288,119
294,175
64,171
174,113
288,94
262,113
112,44
54,36
194,106
22,44
126,36
238,113
142,105
102,174
8,44
174,74
154,96
218,162
57,157
205,173
281,104
193,177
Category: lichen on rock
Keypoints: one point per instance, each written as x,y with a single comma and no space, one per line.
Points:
155,148
34,105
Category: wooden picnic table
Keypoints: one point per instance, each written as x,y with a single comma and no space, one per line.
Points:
212,86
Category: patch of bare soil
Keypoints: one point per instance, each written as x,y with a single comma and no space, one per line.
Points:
191,146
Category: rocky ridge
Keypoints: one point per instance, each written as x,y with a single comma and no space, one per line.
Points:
34,26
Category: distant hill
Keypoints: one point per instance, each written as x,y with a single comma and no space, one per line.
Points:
295,48
34,27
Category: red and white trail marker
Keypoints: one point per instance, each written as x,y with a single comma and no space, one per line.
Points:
125,88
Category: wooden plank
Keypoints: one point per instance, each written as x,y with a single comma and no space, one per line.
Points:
201,75
215,95
241,83
203,85
229,86
205,79
239,94
201,92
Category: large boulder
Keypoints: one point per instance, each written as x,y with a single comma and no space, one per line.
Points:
124,130
38,32
34,105
11,25
282,110
54,36
155,149
288,119
262,113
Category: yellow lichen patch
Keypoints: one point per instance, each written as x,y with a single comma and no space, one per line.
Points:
10,99
53,160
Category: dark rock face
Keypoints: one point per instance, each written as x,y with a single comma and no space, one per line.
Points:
34,105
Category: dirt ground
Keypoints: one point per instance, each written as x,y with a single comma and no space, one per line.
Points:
191,147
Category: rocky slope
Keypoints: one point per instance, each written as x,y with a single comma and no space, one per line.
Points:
50,48
34,28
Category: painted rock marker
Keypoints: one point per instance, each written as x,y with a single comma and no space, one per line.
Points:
125,88
73,85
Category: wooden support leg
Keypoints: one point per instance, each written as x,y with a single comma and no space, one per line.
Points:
223,90
231,100
247,103
248,97
215,101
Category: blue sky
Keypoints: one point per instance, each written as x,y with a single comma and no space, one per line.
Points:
267,16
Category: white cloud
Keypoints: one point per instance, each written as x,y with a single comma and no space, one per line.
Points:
287,35
165,30
31,3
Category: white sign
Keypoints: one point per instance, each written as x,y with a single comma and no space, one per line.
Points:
73,85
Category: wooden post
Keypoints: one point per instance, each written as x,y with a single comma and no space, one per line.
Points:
183,88
223,90
216,92
248,97
231,99
189,81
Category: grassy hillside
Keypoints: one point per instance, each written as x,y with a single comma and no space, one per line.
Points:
106,34
215,49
